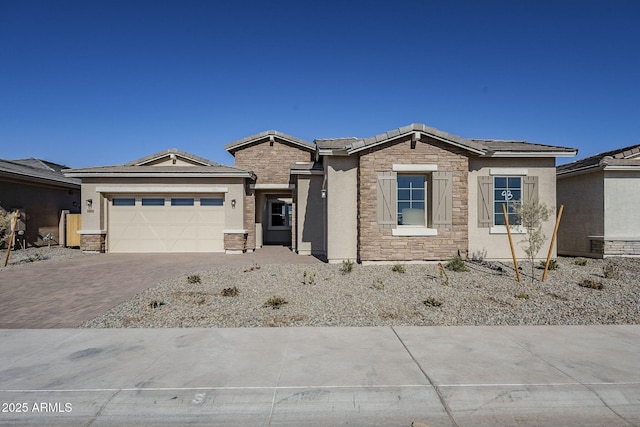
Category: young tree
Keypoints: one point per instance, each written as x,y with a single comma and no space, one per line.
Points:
532,214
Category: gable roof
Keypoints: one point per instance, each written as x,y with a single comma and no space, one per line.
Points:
167,153
232,147
144,167
481,147
37,170
621,158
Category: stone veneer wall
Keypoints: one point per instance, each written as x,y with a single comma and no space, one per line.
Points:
250,216
270,163
235,241
615,247
376,243
92,242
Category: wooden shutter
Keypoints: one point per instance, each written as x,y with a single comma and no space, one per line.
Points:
387,199
485,201
442,199
529,188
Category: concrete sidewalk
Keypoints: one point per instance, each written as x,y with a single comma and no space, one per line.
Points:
438,376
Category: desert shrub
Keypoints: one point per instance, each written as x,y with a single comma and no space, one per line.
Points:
230,292
399,268
610,270
587,283
553,264
432,302
5,226
156,303
378,284
275,302
194,278
580,261
444,278
456,264
346,267
522,295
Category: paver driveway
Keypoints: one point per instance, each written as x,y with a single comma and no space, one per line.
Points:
64,293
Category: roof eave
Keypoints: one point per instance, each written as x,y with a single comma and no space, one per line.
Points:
537,154
239,174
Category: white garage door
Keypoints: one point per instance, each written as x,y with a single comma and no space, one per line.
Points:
159,223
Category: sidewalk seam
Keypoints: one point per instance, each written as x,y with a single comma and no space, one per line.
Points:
443,402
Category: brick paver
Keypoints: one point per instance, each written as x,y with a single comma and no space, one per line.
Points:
65,293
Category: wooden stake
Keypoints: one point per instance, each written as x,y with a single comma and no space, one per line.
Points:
513,251
553,240
14,224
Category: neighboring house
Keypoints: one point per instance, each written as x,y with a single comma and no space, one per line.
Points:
410,194
41,192
601,196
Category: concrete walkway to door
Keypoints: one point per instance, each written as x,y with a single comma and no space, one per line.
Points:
64,293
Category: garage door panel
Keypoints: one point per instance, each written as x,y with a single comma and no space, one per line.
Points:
166,228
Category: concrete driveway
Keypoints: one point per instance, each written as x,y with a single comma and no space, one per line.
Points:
64,293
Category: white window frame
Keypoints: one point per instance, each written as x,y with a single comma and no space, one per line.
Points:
423,170
506,173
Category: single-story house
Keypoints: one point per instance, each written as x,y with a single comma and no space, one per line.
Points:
601,195
41,192
410,194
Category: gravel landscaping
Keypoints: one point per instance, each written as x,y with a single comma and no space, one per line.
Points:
383,295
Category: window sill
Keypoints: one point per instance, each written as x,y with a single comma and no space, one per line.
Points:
414,231
502,229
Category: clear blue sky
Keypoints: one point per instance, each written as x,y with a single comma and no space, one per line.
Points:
90,83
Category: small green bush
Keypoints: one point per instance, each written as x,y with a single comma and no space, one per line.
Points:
156,303
580,261
230,292
378,284
553,264
587,283
194,278
432,302
610,270
456,264
346,267
399,268
275,302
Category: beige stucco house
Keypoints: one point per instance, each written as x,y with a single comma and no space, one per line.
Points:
601,195
410,194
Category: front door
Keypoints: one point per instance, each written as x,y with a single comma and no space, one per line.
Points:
278,221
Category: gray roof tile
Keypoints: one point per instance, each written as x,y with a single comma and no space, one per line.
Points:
616,157
37,170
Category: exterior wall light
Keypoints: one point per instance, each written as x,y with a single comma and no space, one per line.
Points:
233,203
89,203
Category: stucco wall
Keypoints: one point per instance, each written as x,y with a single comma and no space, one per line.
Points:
310,215
42,205
583,216
342,208
377,243
270,163
495,245
622,204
